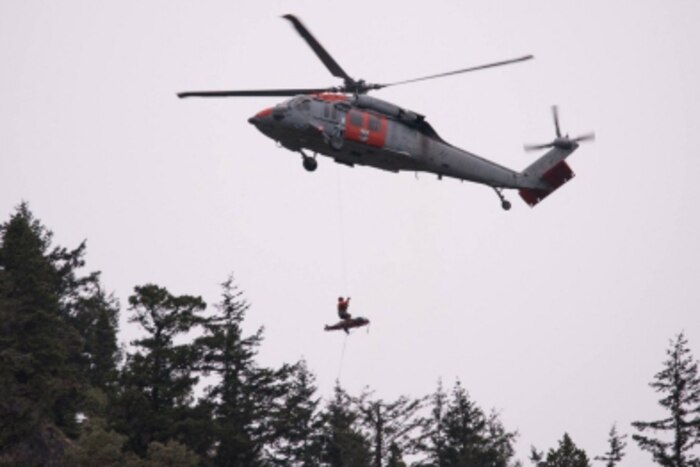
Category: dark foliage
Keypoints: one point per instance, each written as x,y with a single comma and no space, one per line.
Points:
157,382
46,363
342,441
679,383
616,450
69,397
296,421
393,427
97,320
245,395
567,454
461,434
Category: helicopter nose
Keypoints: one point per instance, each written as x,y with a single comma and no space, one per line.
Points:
260,117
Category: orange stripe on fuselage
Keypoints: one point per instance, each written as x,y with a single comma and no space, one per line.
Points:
329,97
362,133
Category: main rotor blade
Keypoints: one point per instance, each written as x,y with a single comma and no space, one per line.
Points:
325,57
254,93
465,70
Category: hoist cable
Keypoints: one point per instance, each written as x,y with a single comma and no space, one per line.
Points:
342,358
341,227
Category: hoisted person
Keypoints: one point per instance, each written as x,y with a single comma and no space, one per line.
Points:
343,305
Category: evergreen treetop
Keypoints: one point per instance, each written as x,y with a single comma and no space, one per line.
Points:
679,384
617,446
461,434
567,454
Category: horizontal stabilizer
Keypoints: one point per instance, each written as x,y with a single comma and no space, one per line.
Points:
555,177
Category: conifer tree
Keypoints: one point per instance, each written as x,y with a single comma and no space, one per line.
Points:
158,378
617,446
170,454
395,457
296,438
343,442
391,424
244,395
460,434
40,349
97,445
567,454
433,440
86,307
679,383
97,320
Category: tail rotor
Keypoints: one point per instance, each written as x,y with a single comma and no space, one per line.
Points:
562,142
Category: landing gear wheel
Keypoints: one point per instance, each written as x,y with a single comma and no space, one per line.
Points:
310,164
505,204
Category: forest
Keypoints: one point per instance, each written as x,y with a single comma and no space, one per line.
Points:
191,391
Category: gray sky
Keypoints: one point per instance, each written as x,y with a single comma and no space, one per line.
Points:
556,316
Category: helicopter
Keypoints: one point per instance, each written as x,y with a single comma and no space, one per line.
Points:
353,128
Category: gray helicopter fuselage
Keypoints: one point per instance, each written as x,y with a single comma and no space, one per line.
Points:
352,128
363,130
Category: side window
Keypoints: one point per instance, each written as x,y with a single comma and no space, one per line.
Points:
355,119
326,111
374,124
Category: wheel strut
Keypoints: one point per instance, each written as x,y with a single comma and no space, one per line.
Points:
505,204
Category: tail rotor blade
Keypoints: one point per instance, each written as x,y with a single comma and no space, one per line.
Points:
555,114
585,137
537,147
564,143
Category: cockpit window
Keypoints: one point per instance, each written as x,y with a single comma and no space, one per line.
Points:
302,103
330,112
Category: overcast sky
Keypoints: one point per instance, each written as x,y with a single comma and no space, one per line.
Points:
557,316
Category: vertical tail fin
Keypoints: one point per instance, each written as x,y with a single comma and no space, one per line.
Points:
551,170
